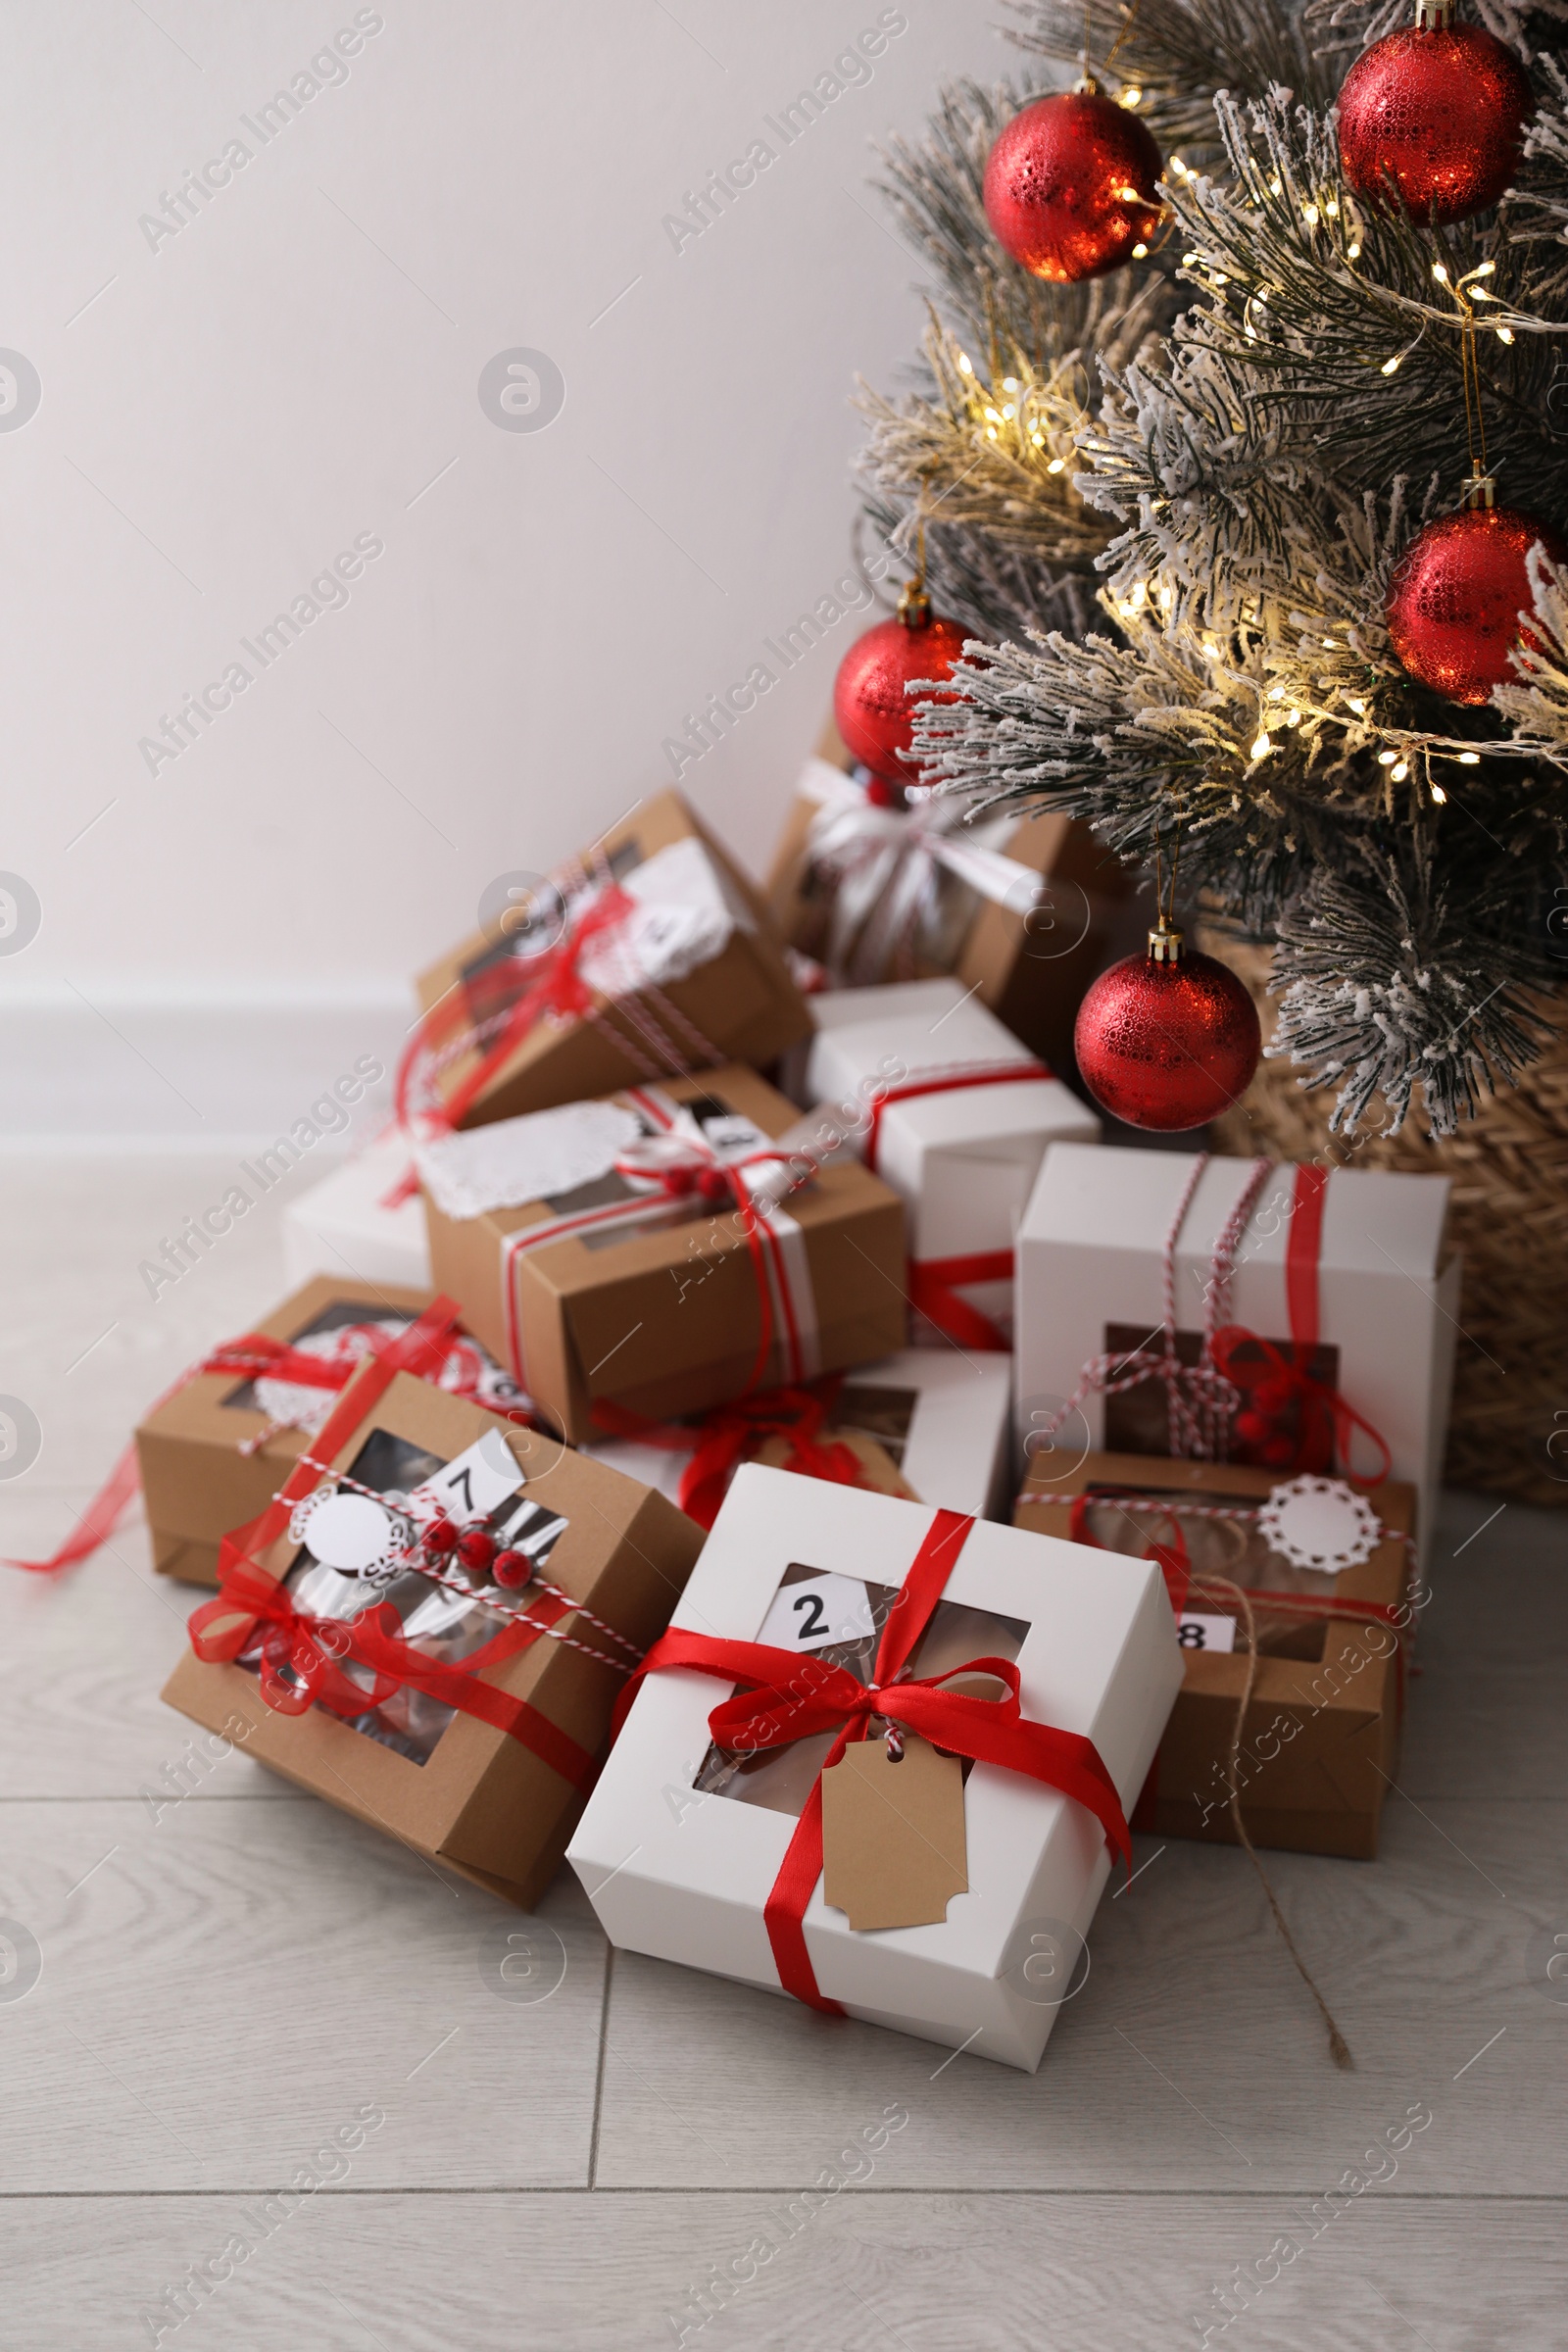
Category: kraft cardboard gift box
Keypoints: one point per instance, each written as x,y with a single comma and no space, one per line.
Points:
930,1423
1029,957
364,1220
681,1845
1382,1274
693,977
211,1454
650,1300
463,1792
958,1117
1320,1742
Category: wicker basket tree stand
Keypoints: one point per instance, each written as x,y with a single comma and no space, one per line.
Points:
1509,1216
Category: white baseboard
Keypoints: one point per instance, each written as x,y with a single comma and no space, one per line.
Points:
108,1070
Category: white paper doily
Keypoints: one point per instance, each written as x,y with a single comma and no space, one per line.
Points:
352,1532
1320,1524
513,1161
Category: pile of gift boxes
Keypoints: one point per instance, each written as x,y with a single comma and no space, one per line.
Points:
743,1431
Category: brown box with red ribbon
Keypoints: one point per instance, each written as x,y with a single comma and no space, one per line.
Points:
656,1250
213,1451
1243,1549
1023,910
430,1625
651,955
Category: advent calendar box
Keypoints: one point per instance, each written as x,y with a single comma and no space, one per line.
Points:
649,954
459,1703
1023,910
1330,1585
589,1256
213,1452
364,1220
1336,1293
951,1110
681,1847
928,1423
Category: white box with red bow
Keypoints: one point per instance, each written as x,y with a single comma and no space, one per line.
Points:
824,1625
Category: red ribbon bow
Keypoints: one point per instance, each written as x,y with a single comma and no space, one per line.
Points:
250,1603
1325,1422
725,1436
549,982
785,1696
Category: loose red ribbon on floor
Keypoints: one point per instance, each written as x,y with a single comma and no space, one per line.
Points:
252,1357
785,1696
1325,1422
251,1604
724,1437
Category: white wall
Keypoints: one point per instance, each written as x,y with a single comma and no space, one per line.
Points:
226,409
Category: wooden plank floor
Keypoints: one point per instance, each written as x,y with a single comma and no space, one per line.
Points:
205,1992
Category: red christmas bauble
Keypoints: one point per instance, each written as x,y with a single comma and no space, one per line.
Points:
1072,186
1442,113
874,716
1455,599
1167,1039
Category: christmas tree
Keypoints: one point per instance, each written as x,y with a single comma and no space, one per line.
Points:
1177,505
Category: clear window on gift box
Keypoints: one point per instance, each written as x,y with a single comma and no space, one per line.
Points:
870,1410
811,1607
1127,1520
447,1621
1138,1420
292,1402
493,980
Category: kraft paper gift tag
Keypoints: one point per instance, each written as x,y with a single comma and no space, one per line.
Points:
893,1843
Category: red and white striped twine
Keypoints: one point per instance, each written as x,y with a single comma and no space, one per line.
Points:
422,1566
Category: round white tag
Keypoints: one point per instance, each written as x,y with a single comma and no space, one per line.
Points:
1319,1523
351,1532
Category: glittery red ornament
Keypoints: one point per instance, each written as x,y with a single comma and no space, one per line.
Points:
1167,1039
1072,186
1456,594
1441,110
874,716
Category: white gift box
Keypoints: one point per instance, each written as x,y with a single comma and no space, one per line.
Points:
964,1158
353,1223
1090,1265
945,1420
683,1873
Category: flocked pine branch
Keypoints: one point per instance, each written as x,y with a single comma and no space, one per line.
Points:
1177,56
1395,979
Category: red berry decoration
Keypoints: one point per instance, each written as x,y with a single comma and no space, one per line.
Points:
1439,109
476,1549
1072,185
1457,593
1167,1039
440,1536
511,1568
874,716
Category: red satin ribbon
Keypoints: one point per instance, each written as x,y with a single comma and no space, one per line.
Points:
1007,1074
934,1284
556,985
1325,1421
252,1357
784,1697
721,1439
250,1602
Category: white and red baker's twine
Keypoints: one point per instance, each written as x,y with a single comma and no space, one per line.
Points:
422,1566
1199,1397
